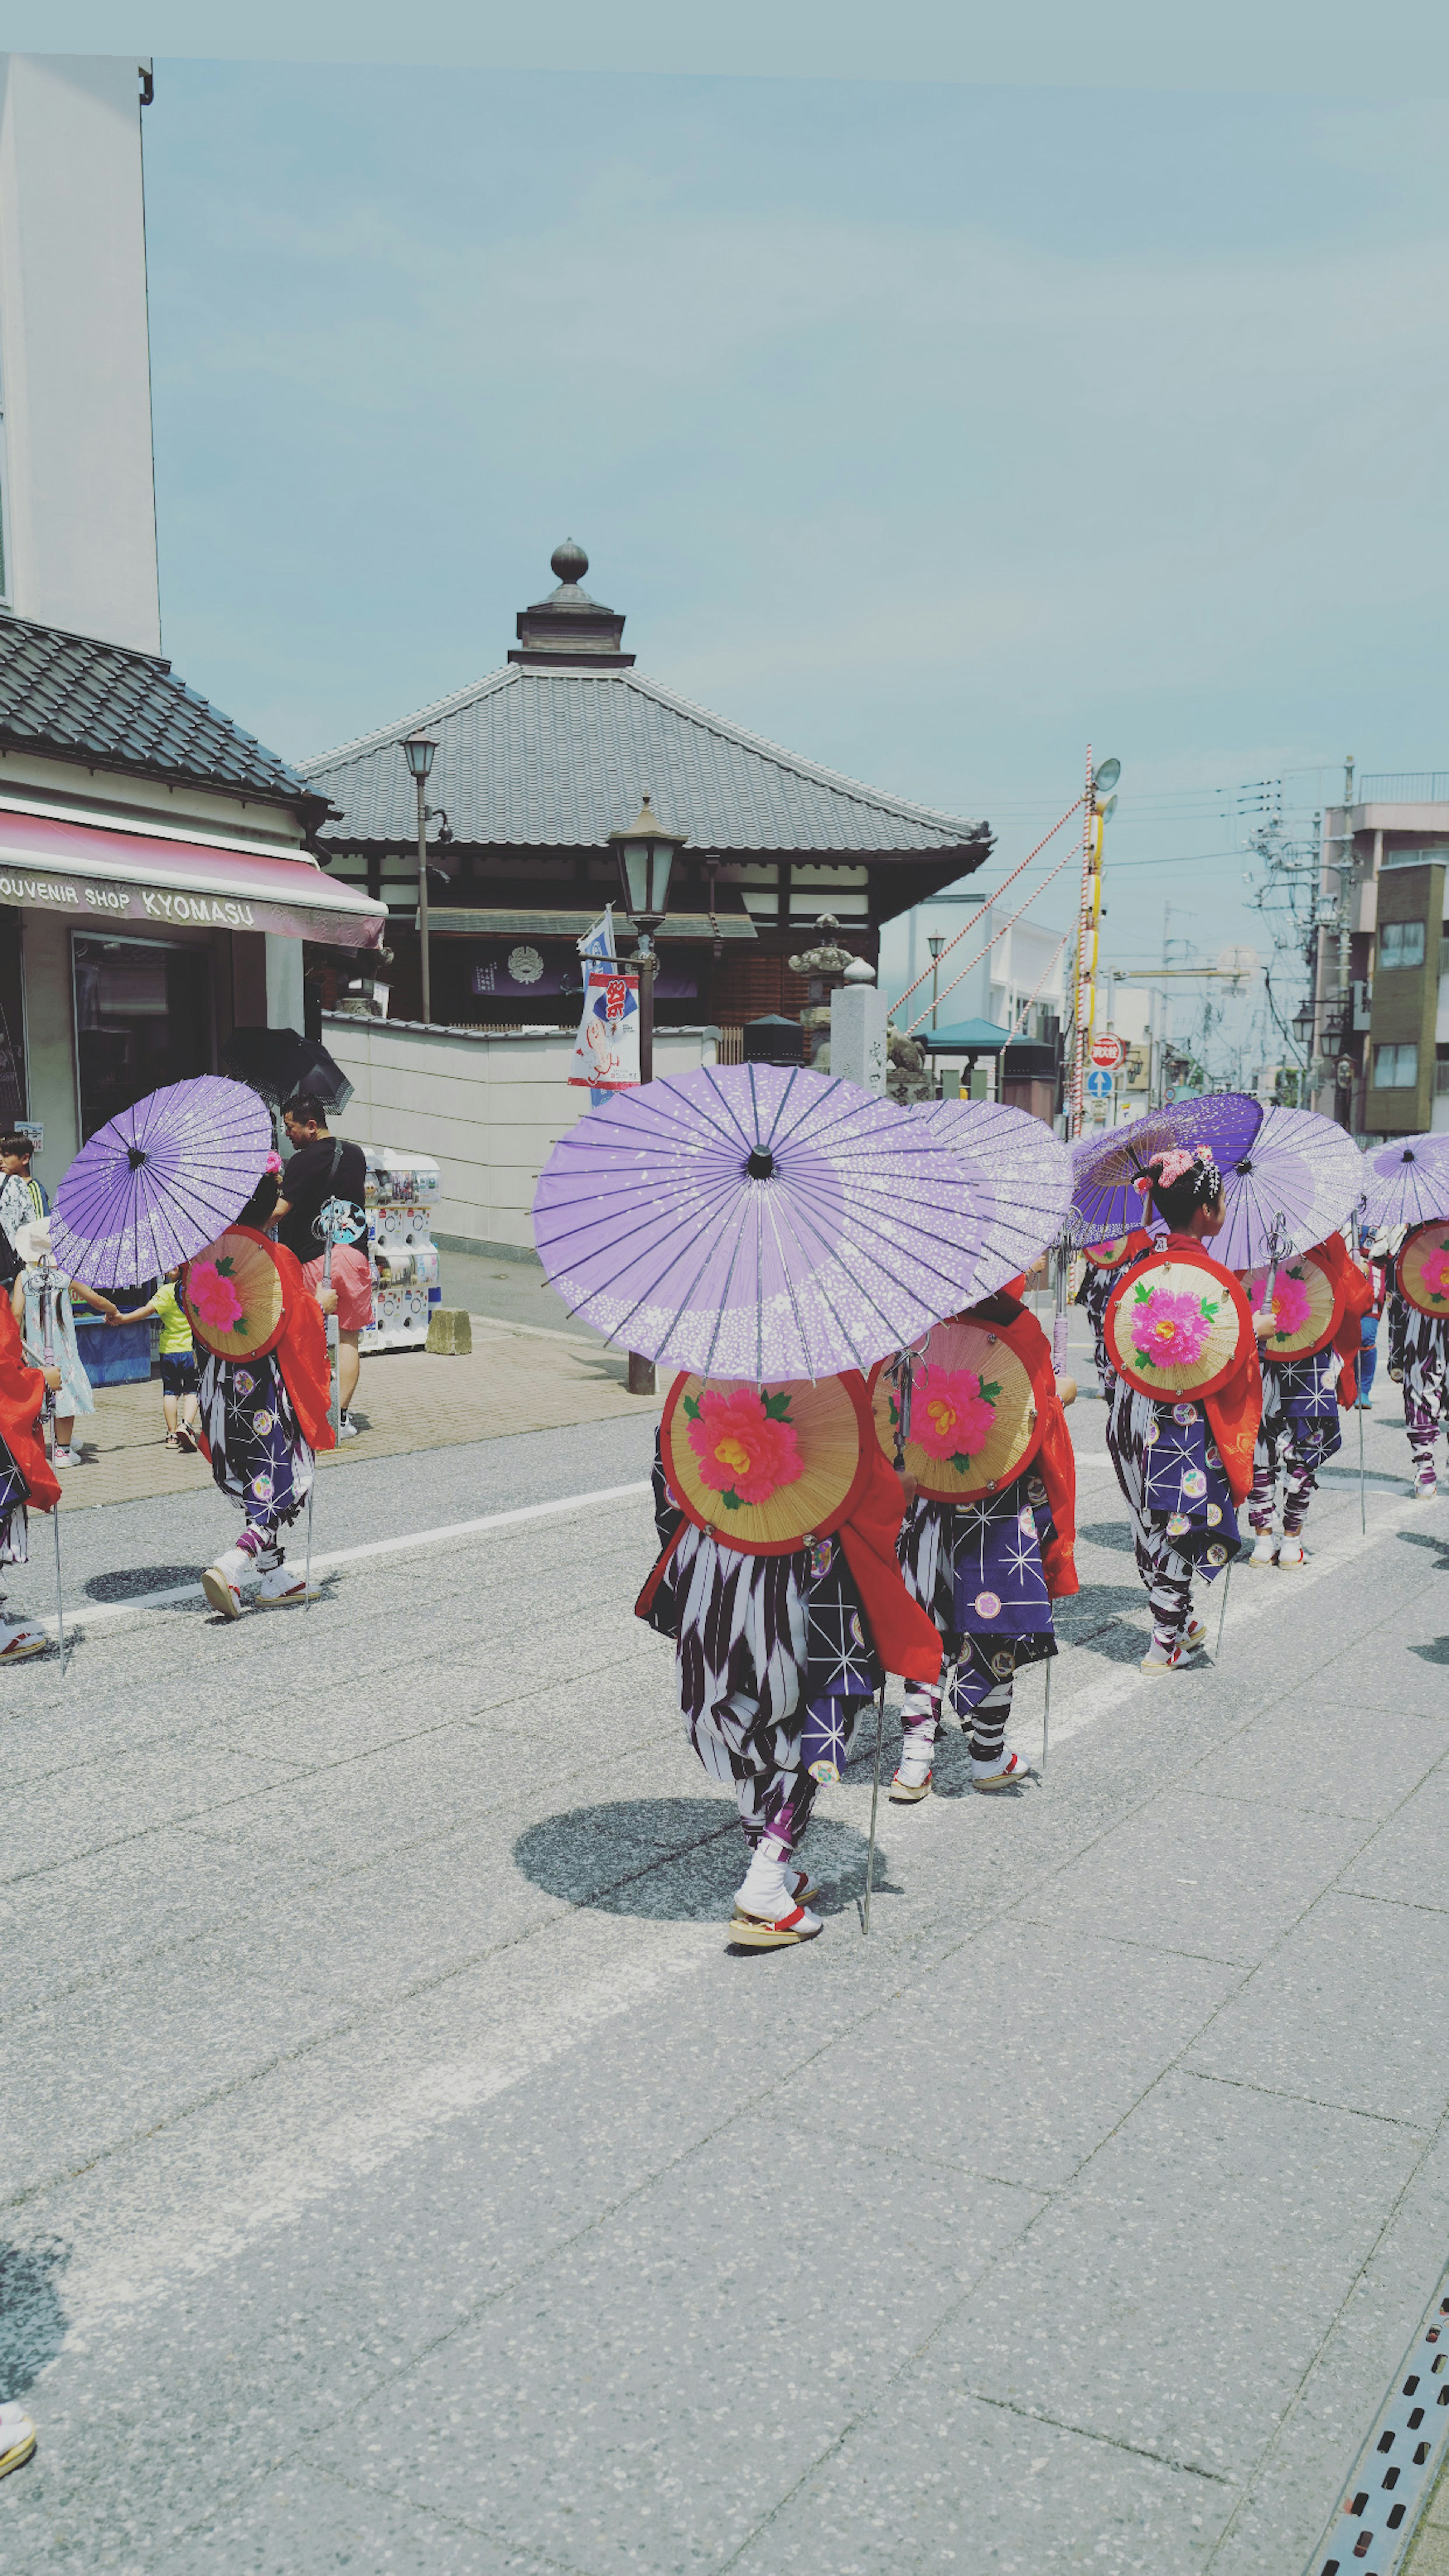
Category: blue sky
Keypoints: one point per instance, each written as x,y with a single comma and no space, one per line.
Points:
930,430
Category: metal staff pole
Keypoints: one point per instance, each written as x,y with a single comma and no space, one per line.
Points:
47,1341
1046,1717
1362,1493
874,1803
1223,1613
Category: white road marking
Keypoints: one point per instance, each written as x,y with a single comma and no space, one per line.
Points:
1246,1606
218,2215
91,1614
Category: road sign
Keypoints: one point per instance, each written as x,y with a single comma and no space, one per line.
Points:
1107,1051
1100,1085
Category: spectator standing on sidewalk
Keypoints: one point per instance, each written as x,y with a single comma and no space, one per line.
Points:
178,1363
325,1167
22,1197
26,1297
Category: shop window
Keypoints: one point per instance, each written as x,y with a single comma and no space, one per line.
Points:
1396,1068
142,1017
1401,943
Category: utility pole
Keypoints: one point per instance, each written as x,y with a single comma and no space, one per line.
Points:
1083,1009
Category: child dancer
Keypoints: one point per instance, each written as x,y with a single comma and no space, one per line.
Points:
1182,1462
781,1634
1104,1265
264,1411
1419,1345
1302,1392
25,1473
986,1569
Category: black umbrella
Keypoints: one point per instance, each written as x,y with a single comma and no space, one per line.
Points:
279,1064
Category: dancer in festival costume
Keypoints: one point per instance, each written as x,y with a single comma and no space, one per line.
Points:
1105,1263
26,1477
1307,1360
990,1524
1418,1309
778,1582
264,1404
1186,1402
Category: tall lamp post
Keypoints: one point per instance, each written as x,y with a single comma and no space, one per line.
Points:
418,752
1098,802
645,856
935,942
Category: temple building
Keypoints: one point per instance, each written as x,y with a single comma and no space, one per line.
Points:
540,761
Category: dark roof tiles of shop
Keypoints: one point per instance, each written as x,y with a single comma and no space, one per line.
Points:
79,698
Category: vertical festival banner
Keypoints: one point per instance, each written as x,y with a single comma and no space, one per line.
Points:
606,1053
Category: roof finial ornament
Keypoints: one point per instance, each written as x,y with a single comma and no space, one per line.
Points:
568,562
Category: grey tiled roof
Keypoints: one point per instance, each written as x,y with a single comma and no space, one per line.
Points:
77,698
559,759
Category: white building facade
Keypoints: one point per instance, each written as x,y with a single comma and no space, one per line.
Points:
157,875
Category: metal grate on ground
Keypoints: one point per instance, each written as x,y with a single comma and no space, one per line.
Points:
1400,2462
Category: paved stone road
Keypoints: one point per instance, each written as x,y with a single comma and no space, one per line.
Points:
401,2175
519,1377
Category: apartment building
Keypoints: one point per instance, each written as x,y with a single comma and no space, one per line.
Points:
1381,998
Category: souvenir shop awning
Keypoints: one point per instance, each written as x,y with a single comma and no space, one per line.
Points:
157,880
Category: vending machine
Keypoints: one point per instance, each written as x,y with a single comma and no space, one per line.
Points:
402,1189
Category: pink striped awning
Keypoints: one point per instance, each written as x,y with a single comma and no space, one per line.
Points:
96,876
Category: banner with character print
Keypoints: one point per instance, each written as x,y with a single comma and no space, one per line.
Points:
606,1055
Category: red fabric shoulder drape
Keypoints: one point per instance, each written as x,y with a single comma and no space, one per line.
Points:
1357,1293
302,1354
22,1393
905,1639
1054,1457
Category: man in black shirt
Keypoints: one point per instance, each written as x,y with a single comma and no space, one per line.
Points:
325,1167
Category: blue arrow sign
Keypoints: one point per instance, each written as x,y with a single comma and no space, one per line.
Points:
1100,1083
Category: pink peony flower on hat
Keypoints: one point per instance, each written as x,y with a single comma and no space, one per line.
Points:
744,1451
1292,1305
951,1414
213,1295
1169,1328
273,1163
1434,1272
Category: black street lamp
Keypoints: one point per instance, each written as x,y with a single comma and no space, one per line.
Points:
645,853
418,752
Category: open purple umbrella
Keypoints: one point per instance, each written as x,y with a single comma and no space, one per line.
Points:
1406,1182
1298,1179
159,1182
1105,1168
755,1221
1017,1176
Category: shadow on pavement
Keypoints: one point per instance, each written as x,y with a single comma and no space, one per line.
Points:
1113,1534
1426,1538
1436,1651
134,1584
32,2319
673,1860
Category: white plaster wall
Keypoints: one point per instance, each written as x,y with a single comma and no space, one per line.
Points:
50,1040
490,1107
75,369
284,982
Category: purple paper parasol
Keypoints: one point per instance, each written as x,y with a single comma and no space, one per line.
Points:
160,1181
1018,1180
755,1221
1105,1168
1299,1178
1406,1182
